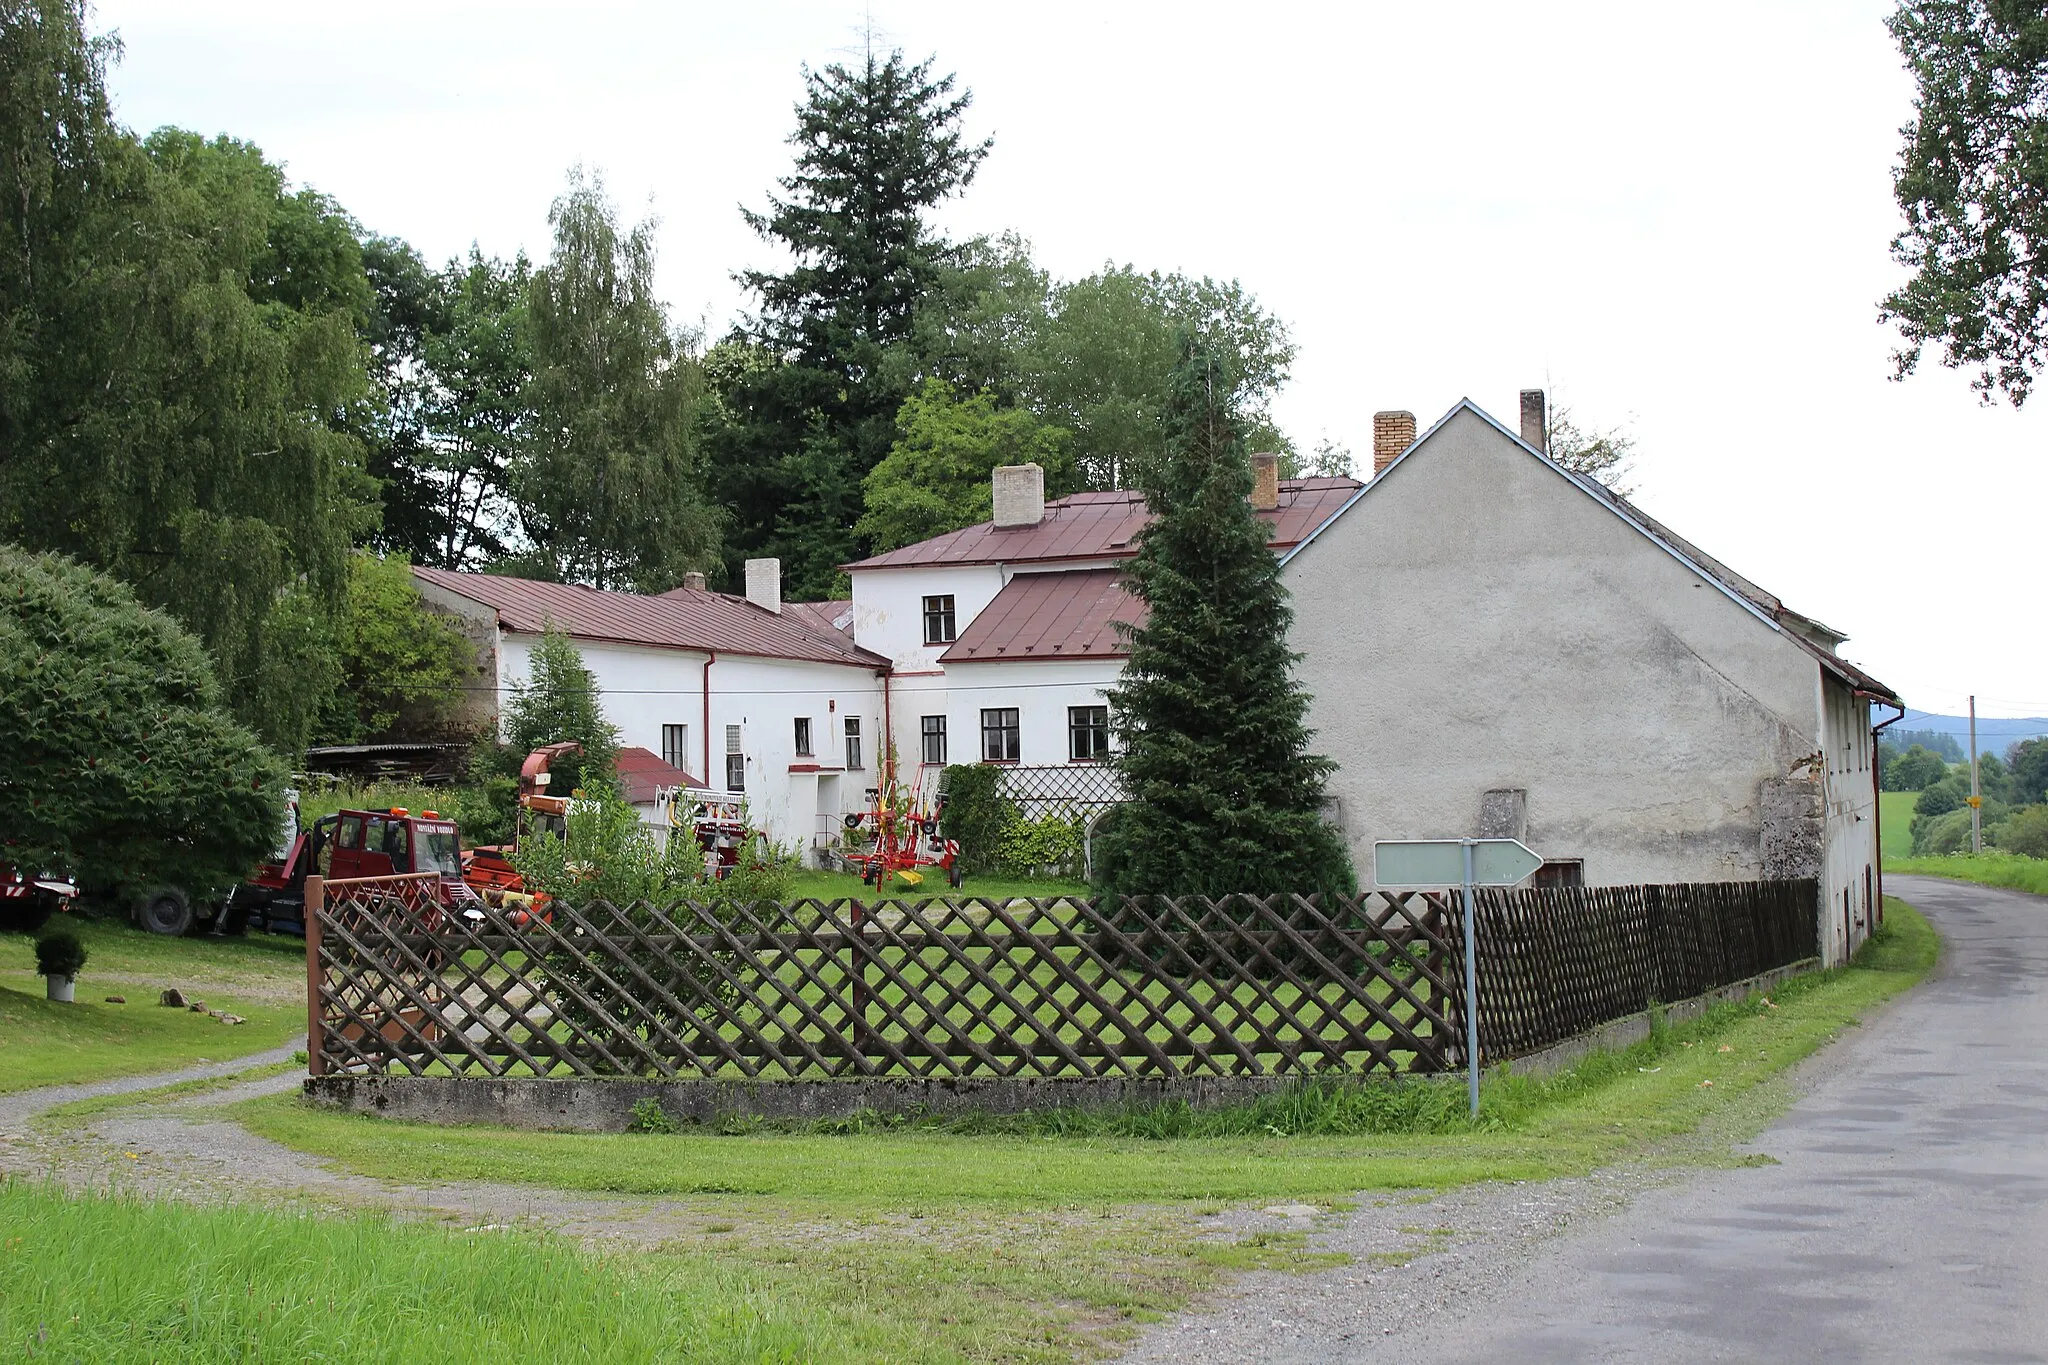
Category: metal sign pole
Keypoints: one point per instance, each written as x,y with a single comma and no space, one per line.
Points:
1471,988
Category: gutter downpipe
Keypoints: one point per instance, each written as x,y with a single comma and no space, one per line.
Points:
889,729
1877,794
710,658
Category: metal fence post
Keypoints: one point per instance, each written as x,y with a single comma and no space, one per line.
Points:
1471,988
316,1039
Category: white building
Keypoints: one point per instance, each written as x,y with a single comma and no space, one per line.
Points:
1496,645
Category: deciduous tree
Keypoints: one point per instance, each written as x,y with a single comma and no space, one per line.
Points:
936,477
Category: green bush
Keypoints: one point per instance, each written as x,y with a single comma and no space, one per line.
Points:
2026,833
1049,845
976,815
59,953
1939,798
123,766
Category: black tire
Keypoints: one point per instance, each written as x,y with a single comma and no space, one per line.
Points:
26,914
852,820
164,910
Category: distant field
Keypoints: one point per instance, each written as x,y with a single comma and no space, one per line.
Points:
1895,816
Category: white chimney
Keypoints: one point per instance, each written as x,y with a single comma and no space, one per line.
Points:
1019,495
1265,481
764,584
694,582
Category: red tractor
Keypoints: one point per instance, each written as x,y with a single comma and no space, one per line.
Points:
349,844
27,901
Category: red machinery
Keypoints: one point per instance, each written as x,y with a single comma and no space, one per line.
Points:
905,837
27,902
348,844
489,870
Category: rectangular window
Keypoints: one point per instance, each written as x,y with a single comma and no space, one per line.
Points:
1087,733
853,754
934,728
938,620
999,734
675,746
803,737
735,761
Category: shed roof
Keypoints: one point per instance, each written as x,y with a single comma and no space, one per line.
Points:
684,619
1085,526
642,773
1040,616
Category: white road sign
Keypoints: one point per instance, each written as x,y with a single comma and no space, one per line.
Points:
1441,862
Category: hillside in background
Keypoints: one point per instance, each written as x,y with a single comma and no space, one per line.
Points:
1995,734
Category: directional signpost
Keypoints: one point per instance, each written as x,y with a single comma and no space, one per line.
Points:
1455,862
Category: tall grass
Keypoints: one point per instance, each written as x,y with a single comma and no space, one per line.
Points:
1987,869
111,1278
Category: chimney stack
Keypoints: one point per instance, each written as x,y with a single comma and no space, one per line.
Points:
1534,425
1265,482
764,584
1019,495
1392,433
694,582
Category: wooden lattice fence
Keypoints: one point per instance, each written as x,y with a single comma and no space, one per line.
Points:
941,988
1555,963
1059,987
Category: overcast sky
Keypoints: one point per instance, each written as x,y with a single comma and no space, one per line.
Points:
1675,218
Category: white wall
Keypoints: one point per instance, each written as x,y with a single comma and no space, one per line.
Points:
643,688
1476,621
888,608
1849,863
1040,691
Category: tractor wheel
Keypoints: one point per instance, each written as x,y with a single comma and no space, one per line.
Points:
163,910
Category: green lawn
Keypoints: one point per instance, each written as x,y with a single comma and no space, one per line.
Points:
1035,1243
1895,822
44,1043
107,1278
1988,869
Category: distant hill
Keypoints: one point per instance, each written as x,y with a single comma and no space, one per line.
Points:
1994,733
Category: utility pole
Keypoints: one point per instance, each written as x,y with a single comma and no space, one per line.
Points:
1976,794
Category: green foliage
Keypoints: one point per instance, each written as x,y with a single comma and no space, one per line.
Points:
1914,770
609,854
1100,364
2029,760
976,814
1973,185
1940,743
609,481
1225,795
936,477
558,702
2026,833
405,667
649,1117
1603,455
879,146
1047,845
179,351
1989,869
123,766
59,953
1944,795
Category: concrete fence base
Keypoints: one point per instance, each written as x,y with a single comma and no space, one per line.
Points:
606,1106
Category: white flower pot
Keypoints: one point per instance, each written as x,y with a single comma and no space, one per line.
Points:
60,987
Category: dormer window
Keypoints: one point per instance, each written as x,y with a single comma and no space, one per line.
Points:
938,620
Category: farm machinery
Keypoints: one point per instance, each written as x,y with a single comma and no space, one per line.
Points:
901,835
28,900
488,870
345,845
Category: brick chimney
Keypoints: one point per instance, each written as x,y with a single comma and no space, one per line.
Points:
694,582
1392,433
1533,424
764,584
1265,481
1019,495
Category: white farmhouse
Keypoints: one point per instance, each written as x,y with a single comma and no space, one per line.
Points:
1497,645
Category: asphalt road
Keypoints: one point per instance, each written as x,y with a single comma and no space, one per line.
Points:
1907,1218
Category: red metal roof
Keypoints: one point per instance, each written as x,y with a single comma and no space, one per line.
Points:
1104,526
642,772
683,619
823,616
1041,616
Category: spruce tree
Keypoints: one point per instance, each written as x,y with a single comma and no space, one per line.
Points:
814,409
1225,795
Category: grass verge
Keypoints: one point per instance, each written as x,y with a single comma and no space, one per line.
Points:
45,1043
2009,870
1895,822
88,1278
1044,1237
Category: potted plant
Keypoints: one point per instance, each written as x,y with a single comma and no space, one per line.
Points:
60,957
